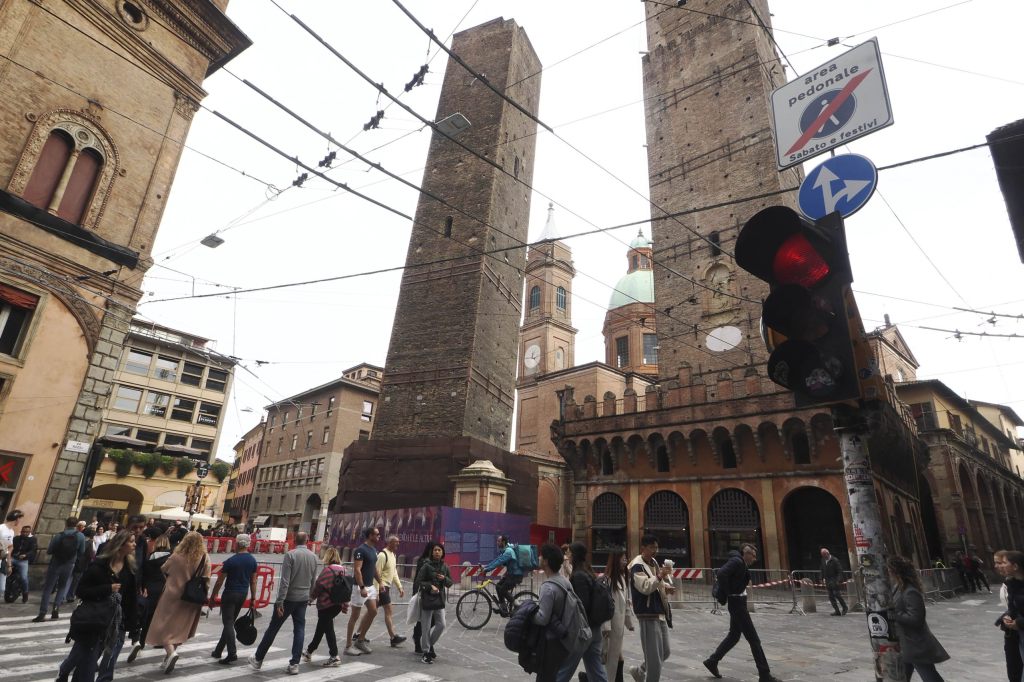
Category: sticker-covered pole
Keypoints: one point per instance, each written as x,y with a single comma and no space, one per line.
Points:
870,546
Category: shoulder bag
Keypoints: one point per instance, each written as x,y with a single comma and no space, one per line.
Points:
196,587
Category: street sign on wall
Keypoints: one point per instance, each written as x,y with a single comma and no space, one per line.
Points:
842,183
837,102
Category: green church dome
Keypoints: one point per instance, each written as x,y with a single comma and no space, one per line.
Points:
637,286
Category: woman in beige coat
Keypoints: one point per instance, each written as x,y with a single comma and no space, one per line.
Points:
615,629
175,621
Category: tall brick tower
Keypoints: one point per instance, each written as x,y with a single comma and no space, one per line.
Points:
449,380
708,75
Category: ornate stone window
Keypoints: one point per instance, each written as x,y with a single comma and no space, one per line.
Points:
535,298
68,167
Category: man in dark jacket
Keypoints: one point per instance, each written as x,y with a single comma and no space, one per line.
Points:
832,574
733,579
64,550
23,553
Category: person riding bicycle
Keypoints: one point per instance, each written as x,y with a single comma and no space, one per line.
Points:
513,574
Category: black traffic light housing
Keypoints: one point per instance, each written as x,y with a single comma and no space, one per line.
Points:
807,266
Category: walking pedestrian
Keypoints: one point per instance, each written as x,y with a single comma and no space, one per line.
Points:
238,576
151,586
7,534
175,620
832,574
919,649
582,581
650,585
82,562
513,574
976,567
554,592
434,581
1010,565
387,568
417,631
364,569
110,578
64,549
733,578
329,604
298,569
614,630
23,553
99,538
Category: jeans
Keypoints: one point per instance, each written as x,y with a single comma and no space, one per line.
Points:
82,661
76,576
740,624
429,635
296,610
654,642
230,605
325,628
927,672
105,672
57,576
21,570
591,657
1014,654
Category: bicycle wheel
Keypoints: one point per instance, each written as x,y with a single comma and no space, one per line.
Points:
473,609
519,597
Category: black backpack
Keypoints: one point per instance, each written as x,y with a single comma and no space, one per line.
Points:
341,590
602,603
67,547
519,625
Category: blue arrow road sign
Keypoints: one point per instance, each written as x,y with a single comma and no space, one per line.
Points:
842,183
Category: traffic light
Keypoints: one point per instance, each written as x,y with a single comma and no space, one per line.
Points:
806,319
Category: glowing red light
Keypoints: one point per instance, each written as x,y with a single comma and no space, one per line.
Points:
798,262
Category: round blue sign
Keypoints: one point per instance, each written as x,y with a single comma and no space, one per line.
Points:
839,118
842,183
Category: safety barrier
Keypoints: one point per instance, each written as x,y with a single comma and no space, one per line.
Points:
940,583
771,586
264,585
812,590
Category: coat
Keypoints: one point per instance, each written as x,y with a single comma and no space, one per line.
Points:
175,621
615,629
917,643
95,586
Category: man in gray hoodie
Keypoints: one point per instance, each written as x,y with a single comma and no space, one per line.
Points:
298,571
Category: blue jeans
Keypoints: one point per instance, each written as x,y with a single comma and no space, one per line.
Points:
82,661
105,672
591,657
21,568
296,610
57,575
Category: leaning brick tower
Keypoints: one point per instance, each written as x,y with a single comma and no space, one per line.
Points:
708,76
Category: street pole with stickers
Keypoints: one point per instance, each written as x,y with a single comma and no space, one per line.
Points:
195,498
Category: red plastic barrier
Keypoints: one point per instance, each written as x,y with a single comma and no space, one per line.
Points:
211,544
225,544
264,585
260,546
278,547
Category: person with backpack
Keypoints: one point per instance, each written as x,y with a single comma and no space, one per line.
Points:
332,595
650,585
513,577
561,616
82,562
616,577
733,578
238,575
597,602
64,549
433,580
417,632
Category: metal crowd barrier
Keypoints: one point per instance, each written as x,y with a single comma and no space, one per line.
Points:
939,583
812,590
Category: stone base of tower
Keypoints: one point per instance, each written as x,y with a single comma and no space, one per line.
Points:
417,472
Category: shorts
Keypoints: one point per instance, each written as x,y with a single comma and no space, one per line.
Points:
358,600
385,596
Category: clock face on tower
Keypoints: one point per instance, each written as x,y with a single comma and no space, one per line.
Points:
532,358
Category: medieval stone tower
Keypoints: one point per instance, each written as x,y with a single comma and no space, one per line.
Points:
708,76
449,381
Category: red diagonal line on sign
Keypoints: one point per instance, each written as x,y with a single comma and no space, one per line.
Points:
5,472
832,107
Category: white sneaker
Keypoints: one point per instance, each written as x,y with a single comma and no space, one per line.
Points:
292,669
352,651
307,657
255,662
363,646
332,662
637,673
169,663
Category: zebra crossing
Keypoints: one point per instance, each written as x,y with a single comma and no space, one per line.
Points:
32,652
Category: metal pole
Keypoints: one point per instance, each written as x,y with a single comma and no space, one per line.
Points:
870,545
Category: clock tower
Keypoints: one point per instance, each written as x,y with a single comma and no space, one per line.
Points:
547,338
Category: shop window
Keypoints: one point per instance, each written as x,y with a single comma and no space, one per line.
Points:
127,399
16,308
138,362
216,379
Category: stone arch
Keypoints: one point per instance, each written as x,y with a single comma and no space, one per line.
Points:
607,527
728,456
975,535
112,494
733,519
988,513
548,507
796,445
606,463
667,516
813,519
658,453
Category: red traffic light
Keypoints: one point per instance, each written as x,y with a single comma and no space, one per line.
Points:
780,247
798,262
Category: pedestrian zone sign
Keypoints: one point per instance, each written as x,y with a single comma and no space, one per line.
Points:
837,102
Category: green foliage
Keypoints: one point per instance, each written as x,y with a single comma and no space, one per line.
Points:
123,461
149,461
167,464
220,470
185,466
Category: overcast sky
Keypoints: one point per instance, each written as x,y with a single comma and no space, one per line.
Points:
934,237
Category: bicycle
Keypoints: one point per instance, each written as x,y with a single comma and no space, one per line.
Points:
475,607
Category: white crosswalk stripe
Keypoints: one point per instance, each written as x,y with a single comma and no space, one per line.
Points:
411,677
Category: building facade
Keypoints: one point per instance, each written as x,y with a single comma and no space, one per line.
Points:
247,455
92,138
630,325
304,440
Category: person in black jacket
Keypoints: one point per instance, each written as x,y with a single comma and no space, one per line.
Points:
23,553
418,631
582,581
151,586
832,574
1010,565
112,572
733,579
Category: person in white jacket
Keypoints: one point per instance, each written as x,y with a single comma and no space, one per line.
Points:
615,629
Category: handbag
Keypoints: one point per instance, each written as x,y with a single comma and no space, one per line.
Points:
196,587
93,615
432,601
245,627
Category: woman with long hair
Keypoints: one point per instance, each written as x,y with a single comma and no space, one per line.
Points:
175,620
582,580
151,586
326,608
427,551
1010,565
434,580
919,649
110,578
614,630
